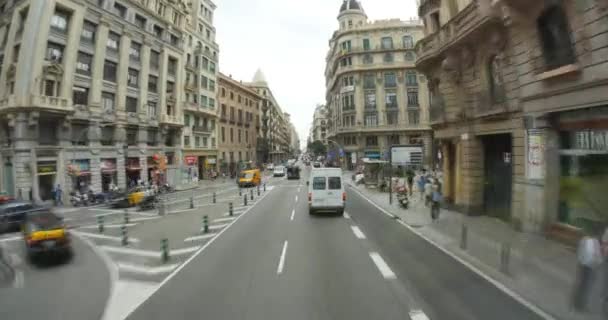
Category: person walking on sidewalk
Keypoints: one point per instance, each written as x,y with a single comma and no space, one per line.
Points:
420,182
428,190
58,196
436,199
410,181
589,256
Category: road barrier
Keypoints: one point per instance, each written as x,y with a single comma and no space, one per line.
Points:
505,258
164,248
206,224
125,237
464,235
100,224
230,209
245,200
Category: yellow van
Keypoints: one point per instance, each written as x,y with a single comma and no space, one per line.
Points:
250,178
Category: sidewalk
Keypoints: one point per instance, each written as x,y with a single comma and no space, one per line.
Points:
539,270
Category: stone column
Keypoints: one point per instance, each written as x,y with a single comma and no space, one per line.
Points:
22,162
71,52
142,143
143,78
101,39
120,136
94,136
123,69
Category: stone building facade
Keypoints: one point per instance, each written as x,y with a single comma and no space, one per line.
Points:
518,109
374,95
91,92
318,130
239,111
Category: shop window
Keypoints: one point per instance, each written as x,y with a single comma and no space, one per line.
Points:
555,38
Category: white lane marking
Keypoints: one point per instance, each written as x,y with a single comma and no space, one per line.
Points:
293,213
471,267
131,251
192,257
151,271
385,270
144,219
224,219
282,259
19,280
109,226
183,251
11,239
104,237
346,215
126,294
418,315
296,198
215,227
358,233
203,237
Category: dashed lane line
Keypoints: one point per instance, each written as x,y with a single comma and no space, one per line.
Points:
384,269
346,215
9,239
282,258
293,213
358,233
418,315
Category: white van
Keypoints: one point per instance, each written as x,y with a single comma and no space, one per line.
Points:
326,191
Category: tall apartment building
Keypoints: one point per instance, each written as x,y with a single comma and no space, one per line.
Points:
375,97
273,142
239,115
319,125
200,108
519,109
90,92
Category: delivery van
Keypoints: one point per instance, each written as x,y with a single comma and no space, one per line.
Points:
326,191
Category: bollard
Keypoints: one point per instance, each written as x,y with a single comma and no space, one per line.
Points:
214,199
264,186
464,234
125,239
164,248
251,194
230,209
245,200
206,224
505,257
258,190
126,216
161,207
100,223
192,202
240,192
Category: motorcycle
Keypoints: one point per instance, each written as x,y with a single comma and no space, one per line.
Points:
79,199
402,197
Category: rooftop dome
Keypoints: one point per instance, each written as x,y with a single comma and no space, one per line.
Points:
350,5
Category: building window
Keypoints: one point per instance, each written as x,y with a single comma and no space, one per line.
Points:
80,96
412,98
204,83
223,134
388,57
368,59
212,67
205,63
408,42
348,102
371,119
391,100
410,56
555,37
135,50
186,141
107,101
497,91
411,78
152,84
371,141
246,136
120,10
83,63
390,80
154,59
197,141
133,78
131,137
50,88
174,40
54,52
59,21
88,32
413,117
204,101
113,40
387,43
151,108
211,103
239,135
158,32
231,135
369,81
172,67
211,85
370,100
140,22
131,104
393,140
366,45
109,71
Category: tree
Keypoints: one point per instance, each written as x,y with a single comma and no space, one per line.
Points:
317,148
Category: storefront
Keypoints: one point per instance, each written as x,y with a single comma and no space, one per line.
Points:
191,163
108,174
133,171
47,172
80,172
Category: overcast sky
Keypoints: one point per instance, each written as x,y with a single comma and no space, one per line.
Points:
288,40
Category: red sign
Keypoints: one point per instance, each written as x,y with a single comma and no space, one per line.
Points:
191,160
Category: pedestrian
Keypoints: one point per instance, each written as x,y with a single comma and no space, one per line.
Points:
436,199
428,190
58,196
420,182
589,256
410,181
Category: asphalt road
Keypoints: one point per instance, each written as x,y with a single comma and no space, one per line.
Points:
270,266
78,289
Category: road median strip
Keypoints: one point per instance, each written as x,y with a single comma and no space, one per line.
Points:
104,237
148,253
150,271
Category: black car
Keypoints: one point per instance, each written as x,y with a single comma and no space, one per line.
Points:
293,173
13,214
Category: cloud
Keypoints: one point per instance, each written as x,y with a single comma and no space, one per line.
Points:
289,41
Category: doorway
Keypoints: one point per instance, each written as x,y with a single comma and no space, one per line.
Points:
498,169
45,186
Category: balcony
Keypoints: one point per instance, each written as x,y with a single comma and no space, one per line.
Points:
170,120
202,129
437,110
384,128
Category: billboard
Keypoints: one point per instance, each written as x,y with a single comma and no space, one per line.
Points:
407,155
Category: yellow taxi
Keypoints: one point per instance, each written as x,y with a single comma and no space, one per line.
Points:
46,235
250,178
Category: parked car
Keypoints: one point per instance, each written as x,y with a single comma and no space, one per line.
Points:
45,235
270,166
250,178
12,215
326,191
279,171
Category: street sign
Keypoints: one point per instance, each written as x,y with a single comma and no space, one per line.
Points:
406,155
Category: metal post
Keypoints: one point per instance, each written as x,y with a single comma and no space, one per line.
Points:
214,198
192,202
161,207
251,192
125,237
245,200
100,223
258,190
264,186
164,248
126,216
464,235
505,257
230,209
240,192
206,224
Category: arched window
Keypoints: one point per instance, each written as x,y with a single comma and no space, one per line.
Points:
555,39
496,85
